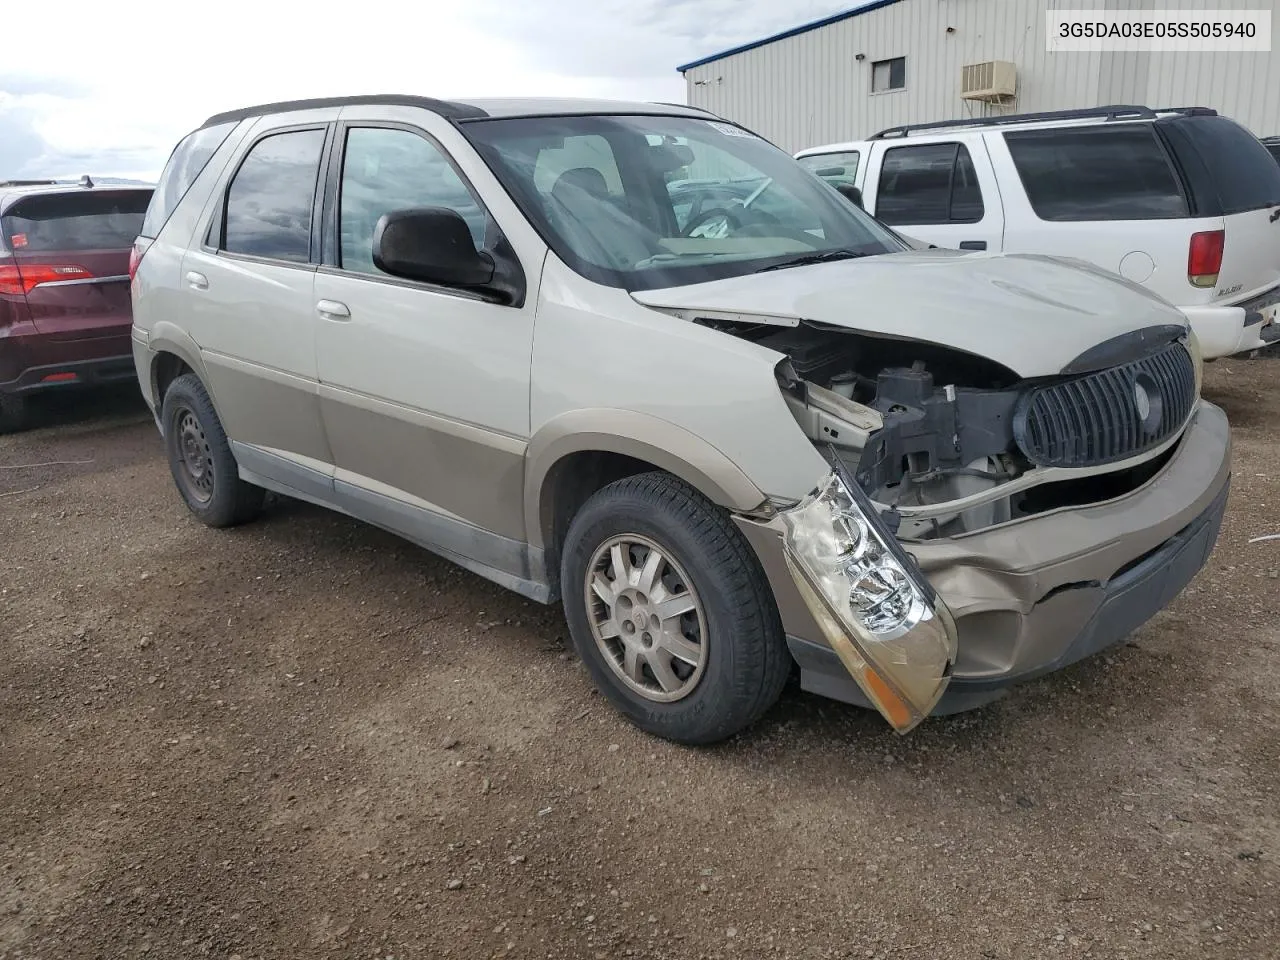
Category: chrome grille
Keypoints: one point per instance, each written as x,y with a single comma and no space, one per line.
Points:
1110,415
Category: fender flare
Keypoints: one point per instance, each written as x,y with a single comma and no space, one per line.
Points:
166,337
666,445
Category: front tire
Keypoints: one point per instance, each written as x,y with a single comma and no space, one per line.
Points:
200,458
668,607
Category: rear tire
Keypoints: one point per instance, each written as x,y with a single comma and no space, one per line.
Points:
200,458
688,645
13,413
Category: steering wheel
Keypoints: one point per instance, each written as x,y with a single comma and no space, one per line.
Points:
708,215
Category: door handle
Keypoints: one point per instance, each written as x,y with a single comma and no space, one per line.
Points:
197,281
973,245
333,310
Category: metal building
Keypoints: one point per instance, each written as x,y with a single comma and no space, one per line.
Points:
892,62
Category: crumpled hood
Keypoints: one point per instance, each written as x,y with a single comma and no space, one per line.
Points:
1033,314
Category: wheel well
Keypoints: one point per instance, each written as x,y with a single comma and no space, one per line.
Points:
568,485
167,368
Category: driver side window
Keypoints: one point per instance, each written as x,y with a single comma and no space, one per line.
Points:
384,170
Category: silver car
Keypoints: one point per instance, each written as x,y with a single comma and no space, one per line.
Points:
634,359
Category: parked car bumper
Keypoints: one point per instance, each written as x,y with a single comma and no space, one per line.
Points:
1035,595
33,363
1239,328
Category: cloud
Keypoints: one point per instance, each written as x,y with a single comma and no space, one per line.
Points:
20,142
19,85
642,38
123,96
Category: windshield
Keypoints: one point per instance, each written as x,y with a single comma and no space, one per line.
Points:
643,202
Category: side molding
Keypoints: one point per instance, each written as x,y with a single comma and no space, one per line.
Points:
638,435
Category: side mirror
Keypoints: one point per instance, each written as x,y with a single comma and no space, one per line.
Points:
851,193
431,244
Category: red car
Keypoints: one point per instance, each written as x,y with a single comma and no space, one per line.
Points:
64,287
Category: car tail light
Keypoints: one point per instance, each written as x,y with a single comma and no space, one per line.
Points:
1205,258
18,279
135,255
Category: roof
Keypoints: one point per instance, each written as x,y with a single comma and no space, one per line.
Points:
1022,121
793,32
463,110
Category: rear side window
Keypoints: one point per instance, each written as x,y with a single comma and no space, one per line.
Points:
271,199
929,183
1274,149
1112,172
61,222
1229,170
186,163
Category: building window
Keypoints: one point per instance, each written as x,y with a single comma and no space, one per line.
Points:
889,75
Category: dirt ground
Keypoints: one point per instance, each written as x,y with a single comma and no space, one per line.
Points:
305,738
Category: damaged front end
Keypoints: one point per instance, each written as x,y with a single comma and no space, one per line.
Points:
928,445
885,622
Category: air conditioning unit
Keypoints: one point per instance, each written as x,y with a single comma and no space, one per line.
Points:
993,81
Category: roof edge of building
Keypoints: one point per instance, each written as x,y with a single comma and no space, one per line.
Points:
793,32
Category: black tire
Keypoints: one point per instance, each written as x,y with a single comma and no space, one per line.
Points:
211,488
13,413
746,662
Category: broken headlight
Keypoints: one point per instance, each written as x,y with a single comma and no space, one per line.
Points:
880,615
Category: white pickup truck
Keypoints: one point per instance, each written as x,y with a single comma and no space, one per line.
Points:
1182,201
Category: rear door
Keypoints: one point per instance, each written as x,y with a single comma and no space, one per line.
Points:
72,254
248,287
942,192
1231,174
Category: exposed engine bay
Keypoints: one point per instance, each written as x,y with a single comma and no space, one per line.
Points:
948,441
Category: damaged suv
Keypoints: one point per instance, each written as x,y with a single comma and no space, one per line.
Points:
635,359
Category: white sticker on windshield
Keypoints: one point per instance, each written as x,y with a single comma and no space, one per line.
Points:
729,130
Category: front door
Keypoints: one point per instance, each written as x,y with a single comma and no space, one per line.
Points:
424,390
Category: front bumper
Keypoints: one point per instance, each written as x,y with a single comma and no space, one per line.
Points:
1035,595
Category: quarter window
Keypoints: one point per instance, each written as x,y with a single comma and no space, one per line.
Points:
929,183
385,170
186,163
889,75
270,201
1112,172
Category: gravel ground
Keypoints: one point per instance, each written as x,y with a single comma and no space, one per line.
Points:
305,738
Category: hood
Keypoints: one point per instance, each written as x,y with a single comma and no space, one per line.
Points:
1033,314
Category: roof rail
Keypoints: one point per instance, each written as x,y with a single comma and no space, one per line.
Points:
1108,113
27,183
445,108
1189,111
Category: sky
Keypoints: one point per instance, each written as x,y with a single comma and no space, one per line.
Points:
108,91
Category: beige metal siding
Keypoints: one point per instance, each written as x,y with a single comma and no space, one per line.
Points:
810,89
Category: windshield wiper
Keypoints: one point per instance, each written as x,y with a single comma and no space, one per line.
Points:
808,258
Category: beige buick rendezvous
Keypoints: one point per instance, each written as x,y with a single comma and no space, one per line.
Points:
634,359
